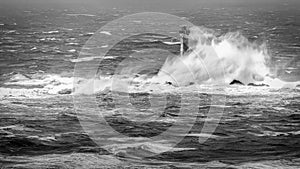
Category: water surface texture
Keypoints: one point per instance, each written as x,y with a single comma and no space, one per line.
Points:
39,127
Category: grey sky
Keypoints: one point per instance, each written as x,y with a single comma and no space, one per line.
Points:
150,5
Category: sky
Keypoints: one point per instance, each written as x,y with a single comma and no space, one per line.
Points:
147,5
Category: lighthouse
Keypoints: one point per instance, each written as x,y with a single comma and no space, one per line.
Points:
184,33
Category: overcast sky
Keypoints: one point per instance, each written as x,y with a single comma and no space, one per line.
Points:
151,5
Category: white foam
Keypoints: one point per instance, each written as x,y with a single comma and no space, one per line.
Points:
90,33
277,83
147,147
81,15
105,32
10,31
38,85
72,50
34,48
86,59
51,32
93,86
172,43
219,60
48,39
131,84
104,46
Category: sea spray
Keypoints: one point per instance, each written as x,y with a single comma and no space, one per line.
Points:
210,60
217,59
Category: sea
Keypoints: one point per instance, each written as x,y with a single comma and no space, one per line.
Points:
142,105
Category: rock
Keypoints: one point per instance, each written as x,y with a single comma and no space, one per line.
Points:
252,84
236,82
65,91
169,83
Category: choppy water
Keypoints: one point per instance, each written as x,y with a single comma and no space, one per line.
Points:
39,128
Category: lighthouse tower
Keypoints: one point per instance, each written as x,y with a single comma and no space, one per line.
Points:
184,33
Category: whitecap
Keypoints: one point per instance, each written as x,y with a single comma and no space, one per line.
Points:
82,59
12,51
10,31
85,59
106,32
172,43
18,77
104,46
205,135
145,148
81,15
72,50
51,32
37,85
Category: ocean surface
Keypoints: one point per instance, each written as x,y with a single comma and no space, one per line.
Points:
259,126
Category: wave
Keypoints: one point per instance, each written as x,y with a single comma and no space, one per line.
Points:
210,62
51,32
91,58
37,85
81,15
213,59
142,149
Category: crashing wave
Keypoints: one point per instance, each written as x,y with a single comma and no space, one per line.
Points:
36,85
213,59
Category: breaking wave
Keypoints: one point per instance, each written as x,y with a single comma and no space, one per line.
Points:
210,60
36,85
213,59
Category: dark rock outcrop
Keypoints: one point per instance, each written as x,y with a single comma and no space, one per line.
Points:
252,84
236,82
65,91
